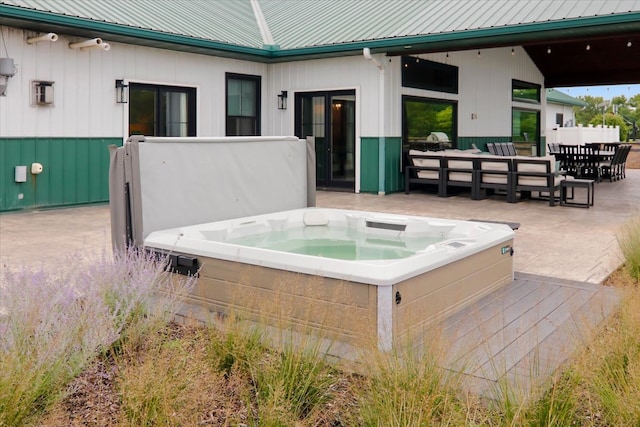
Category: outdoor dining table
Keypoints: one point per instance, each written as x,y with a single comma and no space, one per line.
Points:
599,154
582,161
605,154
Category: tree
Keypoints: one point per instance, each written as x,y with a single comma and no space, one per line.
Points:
620,111
586,114
611,119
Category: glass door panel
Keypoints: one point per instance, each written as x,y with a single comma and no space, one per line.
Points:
330,118
313,124
343,144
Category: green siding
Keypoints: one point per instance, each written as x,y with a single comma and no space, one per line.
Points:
75,171
369,165
369,158
393,178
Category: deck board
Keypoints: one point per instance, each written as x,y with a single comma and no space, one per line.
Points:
511,315
516,338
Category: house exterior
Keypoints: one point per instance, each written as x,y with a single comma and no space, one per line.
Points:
367,79
560,109
562,127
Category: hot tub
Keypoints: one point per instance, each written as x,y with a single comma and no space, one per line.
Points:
357,274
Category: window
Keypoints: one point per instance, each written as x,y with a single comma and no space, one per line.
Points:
422,74
559,119
162,110
243,105
525,131
523,91
426,122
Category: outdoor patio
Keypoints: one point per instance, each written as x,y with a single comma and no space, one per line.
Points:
516,336
514,339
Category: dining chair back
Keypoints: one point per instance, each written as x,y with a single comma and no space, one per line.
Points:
570,159
590,162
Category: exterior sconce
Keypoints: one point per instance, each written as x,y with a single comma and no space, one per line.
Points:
282,100
7,70
121,92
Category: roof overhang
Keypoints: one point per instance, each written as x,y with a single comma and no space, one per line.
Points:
40,21
608,61
559,49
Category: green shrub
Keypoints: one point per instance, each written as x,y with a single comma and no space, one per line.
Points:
292,383
629,240
54,323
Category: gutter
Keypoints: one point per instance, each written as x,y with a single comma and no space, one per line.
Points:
366,52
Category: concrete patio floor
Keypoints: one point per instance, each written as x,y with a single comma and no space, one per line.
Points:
562,242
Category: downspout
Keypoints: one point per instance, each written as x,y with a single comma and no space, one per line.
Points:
385,297
366,52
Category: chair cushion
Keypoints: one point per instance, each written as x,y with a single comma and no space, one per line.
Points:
460,164
428,174
460,176
538,181
494,178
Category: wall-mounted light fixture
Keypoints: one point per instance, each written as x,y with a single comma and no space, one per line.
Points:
121,92
8,69
49,37
282,100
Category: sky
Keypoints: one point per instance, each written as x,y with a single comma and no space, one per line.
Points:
606,92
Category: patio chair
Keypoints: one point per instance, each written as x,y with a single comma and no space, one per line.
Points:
614,169
553,148
459,172
623,161
537,174
425,168
509,149
493,175
590,162
491,147
570,159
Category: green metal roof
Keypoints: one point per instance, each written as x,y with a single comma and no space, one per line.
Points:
271,30
305,23
557,97
231,22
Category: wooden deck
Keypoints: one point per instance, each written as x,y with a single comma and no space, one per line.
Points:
515,338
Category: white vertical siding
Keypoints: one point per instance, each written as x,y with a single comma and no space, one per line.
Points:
85,94
485,88
84,102
351,72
